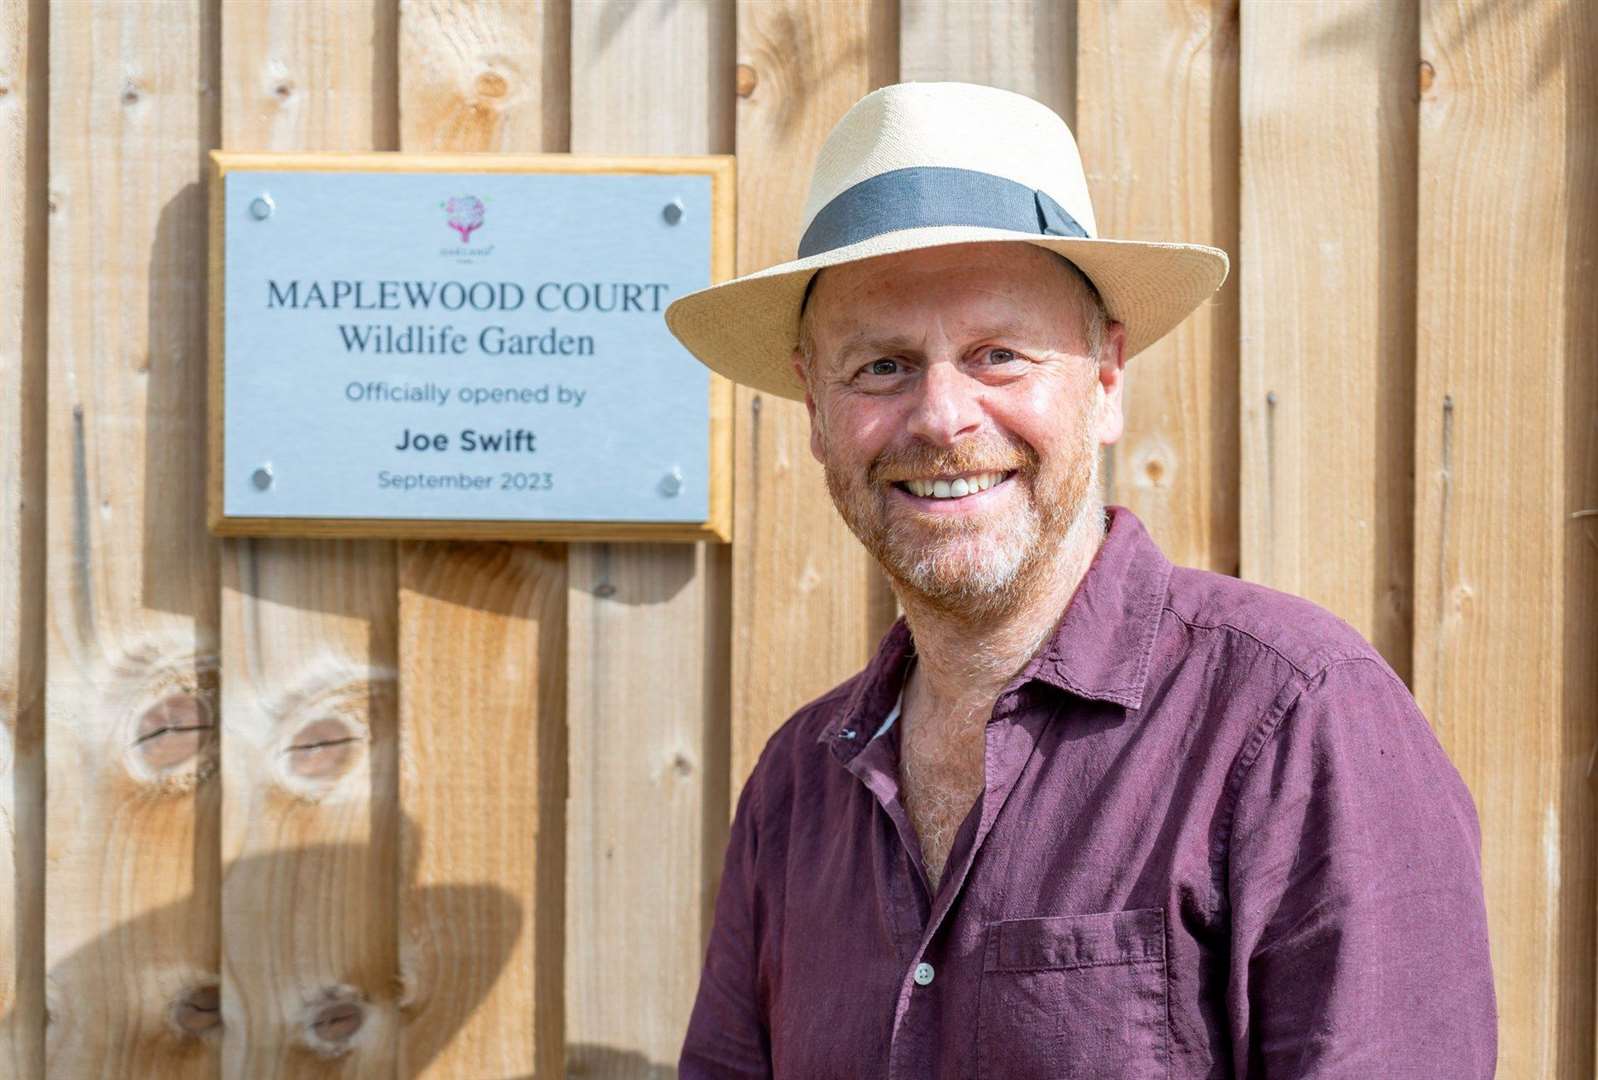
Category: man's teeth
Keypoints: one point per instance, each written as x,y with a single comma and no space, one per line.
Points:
953,489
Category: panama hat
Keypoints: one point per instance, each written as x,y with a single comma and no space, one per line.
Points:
924,164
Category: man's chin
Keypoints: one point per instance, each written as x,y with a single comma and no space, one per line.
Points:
960,577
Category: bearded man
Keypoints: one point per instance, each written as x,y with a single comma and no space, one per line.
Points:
1085,814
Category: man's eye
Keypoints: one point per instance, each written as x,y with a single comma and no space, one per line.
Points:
1000,356
882,366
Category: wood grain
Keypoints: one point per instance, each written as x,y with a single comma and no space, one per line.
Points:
408,162
809,605
490,76
470,529
647,627
482,786
23,40
482,632
1505,575
1028,46
1157,125
310,816
131,883
1328,398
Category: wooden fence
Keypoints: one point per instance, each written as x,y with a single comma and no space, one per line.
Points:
296,808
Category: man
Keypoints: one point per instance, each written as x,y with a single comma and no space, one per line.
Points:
1085,814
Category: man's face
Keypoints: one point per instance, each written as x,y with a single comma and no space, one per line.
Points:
958,414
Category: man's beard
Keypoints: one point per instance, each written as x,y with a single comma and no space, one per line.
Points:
974,566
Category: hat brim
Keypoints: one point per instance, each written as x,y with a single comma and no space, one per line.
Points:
747,328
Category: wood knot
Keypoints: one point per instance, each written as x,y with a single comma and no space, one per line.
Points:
746,80
173,730
491,84
332,1022
338,1023
130,93
322,727
1426,75
283,90
198,1010
5,87
1152,464
323,750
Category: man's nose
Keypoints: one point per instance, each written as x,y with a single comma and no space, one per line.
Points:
947,404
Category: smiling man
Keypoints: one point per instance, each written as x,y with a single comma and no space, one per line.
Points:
1085,813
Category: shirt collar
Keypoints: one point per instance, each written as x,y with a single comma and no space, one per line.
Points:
1100,649
1103,644
875,691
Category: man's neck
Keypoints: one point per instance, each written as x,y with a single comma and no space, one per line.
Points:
964,661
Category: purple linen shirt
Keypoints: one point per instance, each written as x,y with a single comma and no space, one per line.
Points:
1217,838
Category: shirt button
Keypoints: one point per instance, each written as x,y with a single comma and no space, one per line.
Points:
923,974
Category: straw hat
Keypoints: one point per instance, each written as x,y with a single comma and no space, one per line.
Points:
924,164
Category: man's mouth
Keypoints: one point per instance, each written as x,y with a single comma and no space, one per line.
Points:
953,487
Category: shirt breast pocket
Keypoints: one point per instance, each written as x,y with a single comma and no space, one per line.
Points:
1081,996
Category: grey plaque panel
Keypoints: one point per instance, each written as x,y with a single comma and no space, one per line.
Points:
463,346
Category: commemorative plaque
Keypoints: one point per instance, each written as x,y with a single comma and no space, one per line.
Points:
465,346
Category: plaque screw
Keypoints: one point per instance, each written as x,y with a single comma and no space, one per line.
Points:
262,478
672,212
261,207
671,484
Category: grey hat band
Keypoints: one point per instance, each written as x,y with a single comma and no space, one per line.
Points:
929,195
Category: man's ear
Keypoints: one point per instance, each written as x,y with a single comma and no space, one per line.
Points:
798,361
1111,382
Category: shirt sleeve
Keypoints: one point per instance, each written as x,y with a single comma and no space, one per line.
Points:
1359,943
727,1036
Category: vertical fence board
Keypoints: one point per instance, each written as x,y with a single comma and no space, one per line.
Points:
491,77
130,748
647,625
1157,123
482,648
1504,575
309,814
1028,46
1328,392
808,603
482,783
1576,512
22,402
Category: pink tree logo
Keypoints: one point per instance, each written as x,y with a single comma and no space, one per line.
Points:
464,215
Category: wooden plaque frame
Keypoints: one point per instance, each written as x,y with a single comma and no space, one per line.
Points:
723,188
